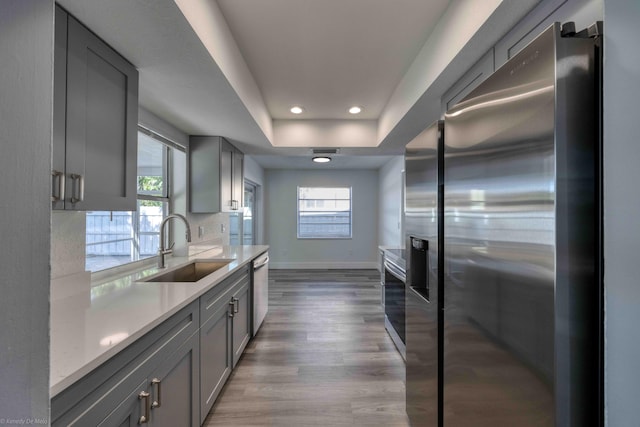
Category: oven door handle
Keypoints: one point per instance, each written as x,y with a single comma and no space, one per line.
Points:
395,270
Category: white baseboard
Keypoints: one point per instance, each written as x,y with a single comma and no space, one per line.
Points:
360,265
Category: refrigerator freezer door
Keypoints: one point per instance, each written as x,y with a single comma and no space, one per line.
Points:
513,354
423,174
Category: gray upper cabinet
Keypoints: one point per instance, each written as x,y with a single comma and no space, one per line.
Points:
95,122
543,15
59,111
469,81
216,175
237,179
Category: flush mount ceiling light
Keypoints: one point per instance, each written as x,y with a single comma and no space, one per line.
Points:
321,159
297,109
322,155
355,109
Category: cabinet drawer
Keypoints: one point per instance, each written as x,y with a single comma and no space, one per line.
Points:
221,294
96,395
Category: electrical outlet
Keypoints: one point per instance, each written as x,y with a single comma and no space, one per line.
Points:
200,231
222,228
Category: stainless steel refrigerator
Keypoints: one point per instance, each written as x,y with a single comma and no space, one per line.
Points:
508,333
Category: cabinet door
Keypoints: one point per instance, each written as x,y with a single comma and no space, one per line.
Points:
238,180
226,178
128,413
175,388
59,110
469,81
241,320
102,116
215,355
204,174
530,27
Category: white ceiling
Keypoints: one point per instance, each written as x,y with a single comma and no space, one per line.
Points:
337,162
233,67
331,54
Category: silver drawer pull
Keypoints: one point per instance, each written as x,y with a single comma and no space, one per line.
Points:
233,306
59,178
157,385
144,396
80,188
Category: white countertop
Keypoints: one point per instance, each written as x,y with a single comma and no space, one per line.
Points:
94,319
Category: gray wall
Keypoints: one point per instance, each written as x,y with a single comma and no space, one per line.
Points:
287,251
390,202
622,211
26,76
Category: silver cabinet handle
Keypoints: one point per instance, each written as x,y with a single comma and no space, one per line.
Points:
144,396
59,177
80,193
157,385
235,304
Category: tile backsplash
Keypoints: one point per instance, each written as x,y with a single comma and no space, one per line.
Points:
68,231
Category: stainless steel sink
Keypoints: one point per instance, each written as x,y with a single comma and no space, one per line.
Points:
190,272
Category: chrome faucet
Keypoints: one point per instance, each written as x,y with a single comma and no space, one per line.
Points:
161,250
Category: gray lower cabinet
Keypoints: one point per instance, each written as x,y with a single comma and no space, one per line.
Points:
173,374
175,388
130,412
224,334
241,318
95,122
114,393
215,355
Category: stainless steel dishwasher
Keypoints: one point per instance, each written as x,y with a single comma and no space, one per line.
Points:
260,290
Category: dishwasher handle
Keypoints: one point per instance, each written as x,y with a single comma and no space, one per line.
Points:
259,263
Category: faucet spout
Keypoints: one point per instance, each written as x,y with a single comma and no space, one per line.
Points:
161,249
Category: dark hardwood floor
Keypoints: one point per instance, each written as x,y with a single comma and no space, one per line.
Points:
321,358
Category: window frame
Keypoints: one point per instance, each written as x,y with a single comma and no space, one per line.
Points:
350,236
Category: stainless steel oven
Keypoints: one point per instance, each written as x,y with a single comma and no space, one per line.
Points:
394,296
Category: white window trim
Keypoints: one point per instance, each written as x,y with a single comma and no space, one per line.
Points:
324,237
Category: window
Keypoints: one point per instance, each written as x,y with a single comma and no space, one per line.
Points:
324,212
115,238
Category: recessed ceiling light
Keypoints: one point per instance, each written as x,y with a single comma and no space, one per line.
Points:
296,109
321,159
355,109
